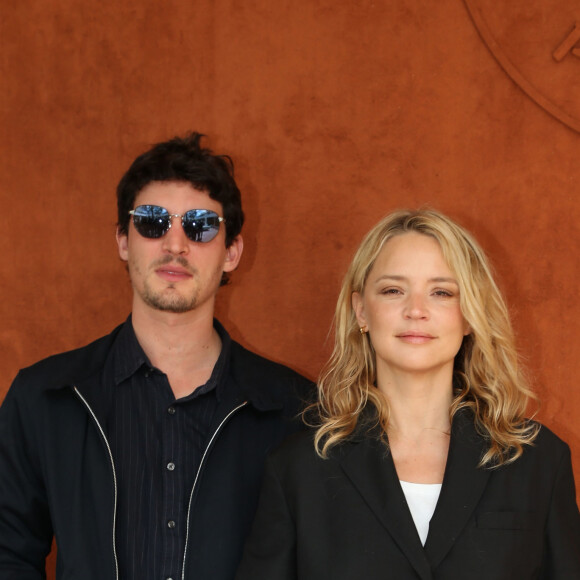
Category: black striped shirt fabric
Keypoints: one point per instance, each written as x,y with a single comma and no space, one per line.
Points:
157,443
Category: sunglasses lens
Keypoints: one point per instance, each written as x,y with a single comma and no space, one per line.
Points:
151,221
201,225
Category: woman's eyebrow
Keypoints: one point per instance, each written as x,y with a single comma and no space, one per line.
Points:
403,278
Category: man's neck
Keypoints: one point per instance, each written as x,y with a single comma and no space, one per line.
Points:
184,346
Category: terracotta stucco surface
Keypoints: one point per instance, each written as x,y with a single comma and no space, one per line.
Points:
335,113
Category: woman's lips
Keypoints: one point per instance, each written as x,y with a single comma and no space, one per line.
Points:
415,337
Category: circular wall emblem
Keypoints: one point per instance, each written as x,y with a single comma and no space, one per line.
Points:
538,46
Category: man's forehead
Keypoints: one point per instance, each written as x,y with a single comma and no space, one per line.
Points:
173,185
160,192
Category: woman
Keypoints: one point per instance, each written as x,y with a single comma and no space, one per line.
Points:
421,464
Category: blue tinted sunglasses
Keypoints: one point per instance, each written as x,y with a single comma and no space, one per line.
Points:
154,221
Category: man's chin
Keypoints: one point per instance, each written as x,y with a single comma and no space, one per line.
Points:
175,308
174,304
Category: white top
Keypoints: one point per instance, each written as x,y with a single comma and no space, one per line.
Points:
421,499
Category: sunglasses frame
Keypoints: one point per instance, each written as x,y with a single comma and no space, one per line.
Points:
169,217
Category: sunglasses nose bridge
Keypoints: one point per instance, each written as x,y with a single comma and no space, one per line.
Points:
170,217
175,240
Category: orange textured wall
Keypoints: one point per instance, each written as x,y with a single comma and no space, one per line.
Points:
335,112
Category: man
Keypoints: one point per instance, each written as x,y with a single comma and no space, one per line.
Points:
143,451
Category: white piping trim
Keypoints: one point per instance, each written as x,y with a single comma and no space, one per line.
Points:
114,477
208,447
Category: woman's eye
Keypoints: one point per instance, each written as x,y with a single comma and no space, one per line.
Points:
390,291
443,293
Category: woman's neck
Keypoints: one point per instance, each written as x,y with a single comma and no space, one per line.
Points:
419,425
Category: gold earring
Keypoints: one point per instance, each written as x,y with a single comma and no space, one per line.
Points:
363,329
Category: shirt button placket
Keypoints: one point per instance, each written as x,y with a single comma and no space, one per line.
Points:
170,467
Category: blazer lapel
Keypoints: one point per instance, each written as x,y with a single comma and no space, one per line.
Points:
369,466
463,485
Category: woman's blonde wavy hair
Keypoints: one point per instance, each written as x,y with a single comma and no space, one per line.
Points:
487,379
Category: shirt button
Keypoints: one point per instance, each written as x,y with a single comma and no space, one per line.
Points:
171,410
170,524
171,466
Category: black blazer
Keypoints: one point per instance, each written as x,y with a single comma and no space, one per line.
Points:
346,518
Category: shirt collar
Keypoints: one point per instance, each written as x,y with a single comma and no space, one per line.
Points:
128,357
221,369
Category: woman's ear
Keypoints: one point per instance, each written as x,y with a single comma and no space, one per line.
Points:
357,302
466,328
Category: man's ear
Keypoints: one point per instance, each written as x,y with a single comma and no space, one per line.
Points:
122,244
233,254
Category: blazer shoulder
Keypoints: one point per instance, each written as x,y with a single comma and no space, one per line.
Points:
246,361
67,367
298,459
541,460
264,380
296,449
548,443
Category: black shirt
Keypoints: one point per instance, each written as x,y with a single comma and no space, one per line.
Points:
157,444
